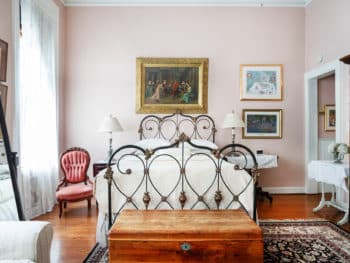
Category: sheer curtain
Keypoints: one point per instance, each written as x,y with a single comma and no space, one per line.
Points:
37,109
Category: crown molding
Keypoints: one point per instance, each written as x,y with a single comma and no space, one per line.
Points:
238,3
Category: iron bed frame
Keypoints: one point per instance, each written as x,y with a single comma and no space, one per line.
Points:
201,127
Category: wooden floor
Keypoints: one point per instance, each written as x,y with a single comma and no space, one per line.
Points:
74,233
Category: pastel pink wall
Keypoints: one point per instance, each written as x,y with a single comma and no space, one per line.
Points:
326,31
326,96
6,35
102,44
327,34
61,65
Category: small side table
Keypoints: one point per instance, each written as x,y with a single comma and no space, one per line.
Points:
334,174
264,161
98,166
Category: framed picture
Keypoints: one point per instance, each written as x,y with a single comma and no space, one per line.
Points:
329,118
3,96
262,124
3,59
164,85
261,82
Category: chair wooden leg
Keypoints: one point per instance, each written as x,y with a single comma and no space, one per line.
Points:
65,205
89,203
60,209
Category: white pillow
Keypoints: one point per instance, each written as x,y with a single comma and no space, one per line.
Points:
152,143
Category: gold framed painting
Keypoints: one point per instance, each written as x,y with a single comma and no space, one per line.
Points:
262,124
164,85
261,82
329,117
3,59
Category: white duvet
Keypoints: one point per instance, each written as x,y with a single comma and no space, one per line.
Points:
164,175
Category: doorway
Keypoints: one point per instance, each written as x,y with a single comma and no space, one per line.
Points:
341,80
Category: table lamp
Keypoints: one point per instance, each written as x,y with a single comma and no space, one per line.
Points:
110,124
233,120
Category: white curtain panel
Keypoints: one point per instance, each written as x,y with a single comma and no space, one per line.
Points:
37,110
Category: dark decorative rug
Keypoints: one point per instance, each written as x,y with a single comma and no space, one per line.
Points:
305,241
288,241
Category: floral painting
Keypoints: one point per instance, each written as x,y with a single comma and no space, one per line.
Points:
165,85
261,82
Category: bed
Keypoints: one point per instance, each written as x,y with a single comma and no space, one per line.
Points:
175,165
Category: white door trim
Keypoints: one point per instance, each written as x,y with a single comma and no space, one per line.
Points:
311,112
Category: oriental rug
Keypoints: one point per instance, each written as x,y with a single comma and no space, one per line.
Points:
288,241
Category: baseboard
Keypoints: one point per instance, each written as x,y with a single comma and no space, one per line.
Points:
285,190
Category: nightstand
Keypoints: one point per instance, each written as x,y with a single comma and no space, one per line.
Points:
99,166
264,161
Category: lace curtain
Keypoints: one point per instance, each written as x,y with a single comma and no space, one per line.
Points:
36,109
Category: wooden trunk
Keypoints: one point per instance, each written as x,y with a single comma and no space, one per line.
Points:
185,236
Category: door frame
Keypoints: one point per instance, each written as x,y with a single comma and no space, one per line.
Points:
311,112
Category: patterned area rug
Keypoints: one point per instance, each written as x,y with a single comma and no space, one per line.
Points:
288,241
305,241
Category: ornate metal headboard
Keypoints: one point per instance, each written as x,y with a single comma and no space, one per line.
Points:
170,127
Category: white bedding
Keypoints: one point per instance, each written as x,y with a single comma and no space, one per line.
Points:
164,172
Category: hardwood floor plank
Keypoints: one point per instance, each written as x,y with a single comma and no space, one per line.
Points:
74,233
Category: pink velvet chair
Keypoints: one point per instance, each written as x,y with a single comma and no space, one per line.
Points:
75,185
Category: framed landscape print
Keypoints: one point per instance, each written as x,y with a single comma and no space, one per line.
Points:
164,85
261,82
329,118
262,124
3,59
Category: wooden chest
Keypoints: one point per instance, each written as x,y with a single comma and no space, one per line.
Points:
185,236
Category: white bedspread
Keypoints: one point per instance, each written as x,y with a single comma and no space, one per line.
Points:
164,173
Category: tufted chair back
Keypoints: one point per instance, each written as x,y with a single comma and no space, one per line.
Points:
75,163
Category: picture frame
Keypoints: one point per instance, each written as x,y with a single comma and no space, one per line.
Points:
3,59
262,124
3,96
329,117
262,82
165,85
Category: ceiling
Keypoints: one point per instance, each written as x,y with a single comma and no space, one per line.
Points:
252,3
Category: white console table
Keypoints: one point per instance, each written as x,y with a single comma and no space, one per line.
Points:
334,174
263,160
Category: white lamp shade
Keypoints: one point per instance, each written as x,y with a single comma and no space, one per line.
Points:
110,124
233,120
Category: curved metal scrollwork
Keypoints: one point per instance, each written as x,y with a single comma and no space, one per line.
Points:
170,127
181,179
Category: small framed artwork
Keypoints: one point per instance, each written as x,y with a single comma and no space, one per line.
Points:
261,82
262,124
3,96
164,85
3,59
329,118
